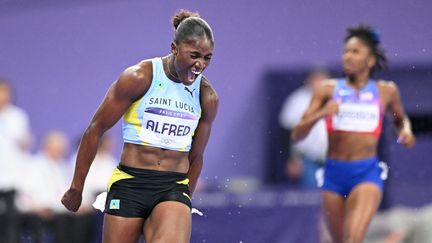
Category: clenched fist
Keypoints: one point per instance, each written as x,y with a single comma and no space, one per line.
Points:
72,199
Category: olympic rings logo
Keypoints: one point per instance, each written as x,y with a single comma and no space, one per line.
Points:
166,141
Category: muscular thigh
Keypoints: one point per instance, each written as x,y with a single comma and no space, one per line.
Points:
334,211
170,221
120,229
363,203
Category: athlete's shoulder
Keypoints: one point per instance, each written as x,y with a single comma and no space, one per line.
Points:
387,86
386,83
135,80
140,71
329,83
207,90
209,98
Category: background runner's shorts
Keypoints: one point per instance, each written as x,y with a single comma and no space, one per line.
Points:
342,176
134,192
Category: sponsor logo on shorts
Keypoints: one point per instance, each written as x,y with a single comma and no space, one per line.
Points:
114,204
186,195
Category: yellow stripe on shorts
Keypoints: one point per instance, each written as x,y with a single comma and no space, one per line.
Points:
116,176
183,182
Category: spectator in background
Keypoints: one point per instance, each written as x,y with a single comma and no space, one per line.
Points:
306,156
46,176
14,121
45,180
14,145
14,137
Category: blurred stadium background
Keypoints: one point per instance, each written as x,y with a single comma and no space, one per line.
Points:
61,56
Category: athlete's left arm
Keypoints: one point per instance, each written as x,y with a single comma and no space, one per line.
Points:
209,106
401,120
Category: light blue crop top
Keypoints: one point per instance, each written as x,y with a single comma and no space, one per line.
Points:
166,116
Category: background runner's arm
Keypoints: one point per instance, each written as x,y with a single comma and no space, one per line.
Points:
319,107
401,120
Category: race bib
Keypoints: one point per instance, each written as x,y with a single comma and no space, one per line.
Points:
357,117
169,128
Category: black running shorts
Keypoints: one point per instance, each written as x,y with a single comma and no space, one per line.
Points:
134,192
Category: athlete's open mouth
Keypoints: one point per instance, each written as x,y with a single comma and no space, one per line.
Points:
193,74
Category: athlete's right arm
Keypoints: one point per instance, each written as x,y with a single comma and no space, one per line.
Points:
319,107
131,85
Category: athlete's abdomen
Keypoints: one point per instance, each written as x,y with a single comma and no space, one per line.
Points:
351,146
154,158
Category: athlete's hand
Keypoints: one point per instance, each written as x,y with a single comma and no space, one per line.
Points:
72,199
406,138
330,108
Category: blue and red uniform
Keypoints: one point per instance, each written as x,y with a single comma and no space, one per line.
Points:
360,111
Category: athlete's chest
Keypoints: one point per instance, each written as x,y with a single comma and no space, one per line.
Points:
359,110
173,98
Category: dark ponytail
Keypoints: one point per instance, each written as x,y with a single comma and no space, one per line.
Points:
189,26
